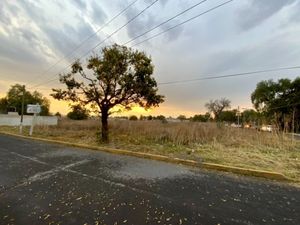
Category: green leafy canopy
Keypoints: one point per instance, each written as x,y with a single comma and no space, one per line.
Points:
119,76
13,99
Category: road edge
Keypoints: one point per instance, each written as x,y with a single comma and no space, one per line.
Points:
204,165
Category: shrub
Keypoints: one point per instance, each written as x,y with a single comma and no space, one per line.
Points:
133,118
78,113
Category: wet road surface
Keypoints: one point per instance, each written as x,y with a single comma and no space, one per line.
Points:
43,183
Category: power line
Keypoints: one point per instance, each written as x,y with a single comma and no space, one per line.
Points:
109,36
86,39
207,77
211,77
193,6
120,28
47,82
164,22
179,24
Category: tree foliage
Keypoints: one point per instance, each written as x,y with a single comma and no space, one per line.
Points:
118,77
181,117
58,114
228,116
162,118
13,100
150,117
201,118
133,118
251,116
4,105
279,101
217,107
78,113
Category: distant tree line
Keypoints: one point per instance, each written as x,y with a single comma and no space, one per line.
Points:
159,117
201,118
276,103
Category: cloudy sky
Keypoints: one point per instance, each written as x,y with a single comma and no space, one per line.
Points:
242,36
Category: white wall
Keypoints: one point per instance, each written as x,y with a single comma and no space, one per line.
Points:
14,120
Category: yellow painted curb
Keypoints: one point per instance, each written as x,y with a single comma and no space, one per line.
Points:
212,166
248,172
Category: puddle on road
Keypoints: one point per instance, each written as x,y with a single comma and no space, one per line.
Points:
150,170
62,153
121,167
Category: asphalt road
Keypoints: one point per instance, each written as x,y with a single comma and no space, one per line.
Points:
43,183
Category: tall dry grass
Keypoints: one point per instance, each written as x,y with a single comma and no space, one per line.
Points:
176,133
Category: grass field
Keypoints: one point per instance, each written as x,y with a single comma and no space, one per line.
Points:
190,140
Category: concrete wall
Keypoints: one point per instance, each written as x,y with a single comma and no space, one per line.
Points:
14,120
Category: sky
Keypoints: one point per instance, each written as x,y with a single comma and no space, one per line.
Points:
37,38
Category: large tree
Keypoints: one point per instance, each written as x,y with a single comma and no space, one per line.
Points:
13,100
117,78
279,101
217,107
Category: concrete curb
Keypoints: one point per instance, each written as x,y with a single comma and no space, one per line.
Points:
211,166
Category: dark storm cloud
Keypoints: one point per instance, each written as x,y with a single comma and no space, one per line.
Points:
12,50
23,47
7,11
28,35
4,16
81,4
65,40
35,12
163,2
172,34
42,33
26,44
147,21
98,14
258,11
295,17
274,52
267,54
21,44
140,24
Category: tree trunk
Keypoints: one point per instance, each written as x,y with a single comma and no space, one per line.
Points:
104,131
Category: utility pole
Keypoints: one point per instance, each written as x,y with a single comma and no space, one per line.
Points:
238,116
37,110
293,128
22,110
